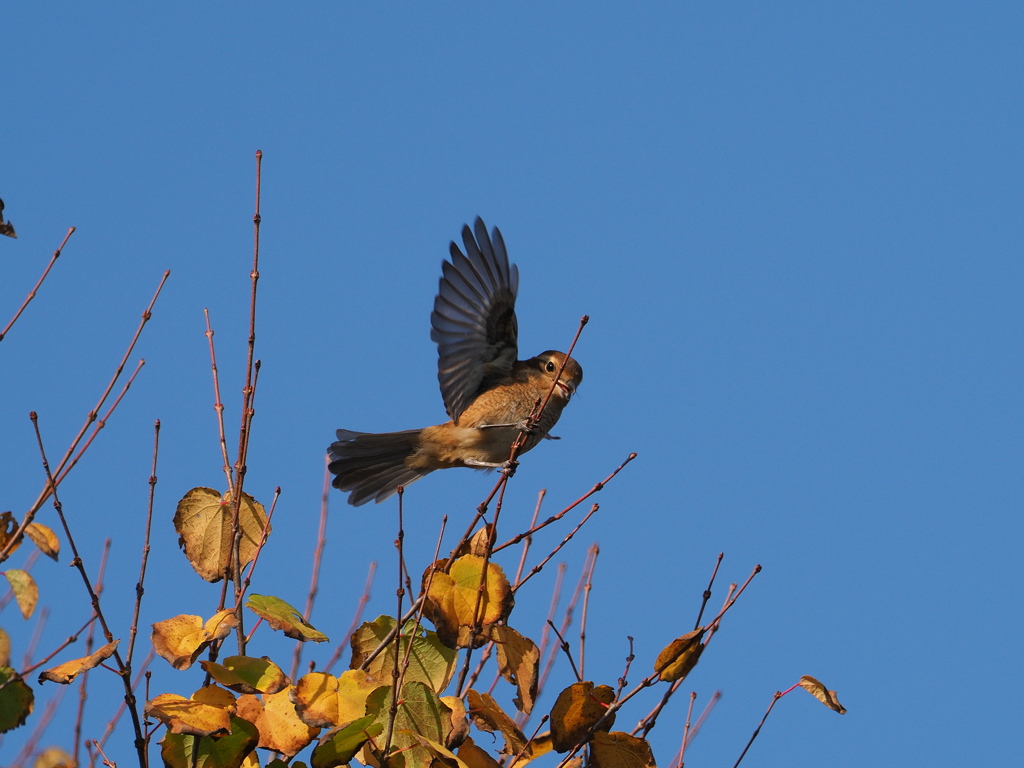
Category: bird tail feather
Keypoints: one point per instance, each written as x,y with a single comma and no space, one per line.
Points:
372,466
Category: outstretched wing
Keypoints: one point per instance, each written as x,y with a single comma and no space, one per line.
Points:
474,318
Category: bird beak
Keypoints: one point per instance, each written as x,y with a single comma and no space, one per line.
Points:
567,389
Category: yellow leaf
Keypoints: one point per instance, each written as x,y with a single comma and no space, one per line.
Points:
325,701
25,590
215,697
474,757
680,656
620,750
185,716
280,727
488,716
69,670
518,662
53,757
44,538
203,523
818,690
181,639
5,649
576,710
456,605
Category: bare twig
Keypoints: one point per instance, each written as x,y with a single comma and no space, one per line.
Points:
318,552
83,692
707,592
129,697
67,641
624,679
678,762
564,646
112,724
32,293
703,716
218,405
139,590
33,642
400,594
356,619
778,695
594,552
540,566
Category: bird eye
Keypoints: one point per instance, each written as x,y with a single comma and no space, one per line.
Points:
550,367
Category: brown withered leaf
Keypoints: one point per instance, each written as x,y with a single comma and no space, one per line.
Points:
69,670
283,616
680,656
26,593
620,750
203,523
430,660
453,597
460,722
519,663
186,716
44,538
247,674
539,747
8,527
488,716
475,757
576,710
180,639
16,700
818,690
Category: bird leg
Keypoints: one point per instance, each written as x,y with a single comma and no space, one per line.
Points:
507,467
522,426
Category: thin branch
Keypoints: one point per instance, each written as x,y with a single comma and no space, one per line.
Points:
33,642
67,641
707,592
554,518
540,566
83,688
594,552
703,716
139,590
356,619
318,552
112,724
527,538
140,744
32,293
624,679
218,405
400,594
564,645
678,762
778,695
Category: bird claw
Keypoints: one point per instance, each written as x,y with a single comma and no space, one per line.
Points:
509,468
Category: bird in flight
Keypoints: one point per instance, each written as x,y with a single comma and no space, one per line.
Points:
488,392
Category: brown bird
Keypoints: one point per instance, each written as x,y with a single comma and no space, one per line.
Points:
489,393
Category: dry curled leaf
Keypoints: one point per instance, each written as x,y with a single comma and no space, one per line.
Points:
69,670
203,522
5,649
680,656
488,716
577,709
180,639
44,538
818,690
186,716
518,662
8,527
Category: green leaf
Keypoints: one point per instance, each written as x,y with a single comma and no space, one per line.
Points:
180,751
246,674
339,747
16,700
430,661
420,711
280,615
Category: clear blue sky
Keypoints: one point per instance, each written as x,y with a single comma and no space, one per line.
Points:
796,228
